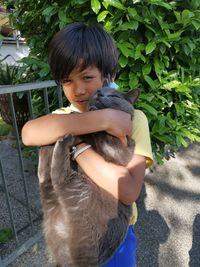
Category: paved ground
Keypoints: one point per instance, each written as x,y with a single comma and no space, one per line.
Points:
168,227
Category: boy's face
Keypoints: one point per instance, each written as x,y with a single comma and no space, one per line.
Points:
81,85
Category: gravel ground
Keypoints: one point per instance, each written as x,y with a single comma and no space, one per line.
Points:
168,227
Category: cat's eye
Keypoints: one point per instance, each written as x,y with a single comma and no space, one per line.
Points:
116,96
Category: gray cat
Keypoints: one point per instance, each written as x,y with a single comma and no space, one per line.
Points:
84,224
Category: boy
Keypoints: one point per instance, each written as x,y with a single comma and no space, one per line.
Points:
82,60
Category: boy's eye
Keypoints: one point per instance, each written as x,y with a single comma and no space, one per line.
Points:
66,81
87,78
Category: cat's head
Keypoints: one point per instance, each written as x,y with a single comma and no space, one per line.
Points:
107,97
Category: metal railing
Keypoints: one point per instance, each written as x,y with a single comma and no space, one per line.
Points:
20,209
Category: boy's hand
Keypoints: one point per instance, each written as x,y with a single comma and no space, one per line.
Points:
119,124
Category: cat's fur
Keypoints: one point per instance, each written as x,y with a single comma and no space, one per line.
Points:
84,224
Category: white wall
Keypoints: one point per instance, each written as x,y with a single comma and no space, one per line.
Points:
17,51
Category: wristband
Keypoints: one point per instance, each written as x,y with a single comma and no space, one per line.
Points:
76,153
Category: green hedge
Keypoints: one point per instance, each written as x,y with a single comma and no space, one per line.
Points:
159,52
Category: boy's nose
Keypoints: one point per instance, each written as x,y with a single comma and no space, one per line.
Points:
79,89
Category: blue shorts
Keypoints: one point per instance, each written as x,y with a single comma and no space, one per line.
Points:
125,255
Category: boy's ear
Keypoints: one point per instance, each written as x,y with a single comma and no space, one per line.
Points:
132,95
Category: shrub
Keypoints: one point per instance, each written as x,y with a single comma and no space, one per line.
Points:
159,52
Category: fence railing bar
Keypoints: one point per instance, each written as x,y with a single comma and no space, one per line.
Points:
5,89
31,112
46,100
33,210
20,158
30,105
19,231
30,108
28,244
8,202
10,195
60,99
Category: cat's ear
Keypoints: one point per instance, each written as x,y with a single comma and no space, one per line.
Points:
132,95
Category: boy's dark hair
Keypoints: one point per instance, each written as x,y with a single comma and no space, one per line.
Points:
83,46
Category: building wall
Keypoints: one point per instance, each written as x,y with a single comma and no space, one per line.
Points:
17,51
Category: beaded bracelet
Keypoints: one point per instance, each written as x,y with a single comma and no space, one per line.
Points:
76,152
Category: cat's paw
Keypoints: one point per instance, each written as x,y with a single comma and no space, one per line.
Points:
61,160
44,165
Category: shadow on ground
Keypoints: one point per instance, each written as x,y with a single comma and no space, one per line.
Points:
152,230
168,227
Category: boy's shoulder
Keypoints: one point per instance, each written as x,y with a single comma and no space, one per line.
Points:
139,117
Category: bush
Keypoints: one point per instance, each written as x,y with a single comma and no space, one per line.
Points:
159,52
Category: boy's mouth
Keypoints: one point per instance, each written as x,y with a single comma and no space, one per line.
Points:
82,102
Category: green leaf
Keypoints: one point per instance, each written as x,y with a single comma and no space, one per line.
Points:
146,69
188,134
115,3
44,72
108,26
48,11
79,2
179,109
172,84
62,15
161,3
159,66
5,235
123,61
138,54
150,109
162,48
163,138
126,49
132,25
174,36
96,6
102,16
196,23
178,16
149,81
191,44
181,141
166,42
132,12
133,80
123,76
159,126
186,14
150,47
162,98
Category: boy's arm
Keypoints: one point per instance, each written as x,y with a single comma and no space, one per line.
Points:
124,183
47,129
